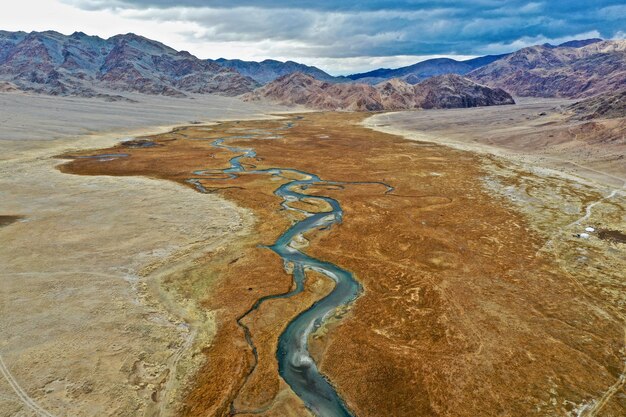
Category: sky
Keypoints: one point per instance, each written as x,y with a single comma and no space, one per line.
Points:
340,37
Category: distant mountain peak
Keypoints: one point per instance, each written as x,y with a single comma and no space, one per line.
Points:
270,69
422,70
580,43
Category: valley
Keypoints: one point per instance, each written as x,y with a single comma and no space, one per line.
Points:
312,209
459,282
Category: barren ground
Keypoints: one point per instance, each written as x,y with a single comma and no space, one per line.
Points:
534,132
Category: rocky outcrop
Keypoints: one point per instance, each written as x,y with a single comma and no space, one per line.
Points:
565,71
6,87
453,91
446,91
52,63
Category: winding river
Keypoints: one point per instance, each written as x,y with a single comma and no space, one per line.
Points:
295,364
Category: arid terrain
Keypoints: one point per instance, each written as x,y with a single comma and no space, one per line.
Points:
83,330
254,208
482,294
539,133
212,237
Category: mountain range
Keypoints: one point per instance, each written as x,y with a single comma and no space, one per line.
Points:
78,64
444,91
416,73
52,63
268,70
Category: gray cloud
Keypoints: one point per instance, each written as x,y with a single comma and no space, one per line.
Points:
368,28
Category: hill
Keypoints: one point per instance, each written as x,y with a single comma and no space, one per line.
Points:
446,91
268,70
416,73
610,105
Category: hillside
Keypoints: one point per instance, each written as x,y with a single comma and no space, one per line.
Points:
53,63
564,71
268,70
446,91
608,106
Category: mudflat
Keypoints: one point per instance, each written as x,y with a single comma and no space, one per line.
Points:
485,288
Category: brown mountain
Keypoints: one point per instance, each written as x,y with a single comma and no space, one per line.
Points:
564,71
53,63
604,106
445,91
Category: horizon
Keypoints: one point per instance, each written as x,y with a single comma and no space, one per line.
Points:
340,38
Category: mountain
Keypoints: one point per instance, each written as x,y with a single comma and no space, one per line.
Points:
609,105
302,89
416,73
569,70
268,70
579,43
52,63
454,91
445,91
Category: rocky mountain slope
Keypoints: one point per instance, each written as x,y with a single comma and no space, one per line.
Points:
581,70
446,91
416,73
268,70
608,106
53,63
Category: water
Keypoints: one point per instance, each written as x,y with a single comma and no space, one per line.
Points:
295,364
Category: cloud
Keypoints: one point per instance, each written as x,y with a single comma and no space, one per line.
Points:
620,34
322,5
353,28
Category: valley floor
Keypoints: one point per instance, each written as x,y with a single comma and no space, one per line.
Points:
125,291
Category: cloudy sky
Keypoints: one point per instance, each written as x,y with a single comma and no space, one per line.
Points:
338,36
